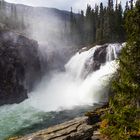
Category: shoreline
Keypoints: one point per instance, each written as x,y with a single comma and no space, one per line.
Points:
79,128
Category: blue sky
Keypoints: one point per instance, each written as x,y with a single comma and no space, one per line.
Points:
62,4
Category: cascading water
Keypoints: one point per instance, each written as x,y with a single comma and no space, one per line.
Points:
79,85
112,52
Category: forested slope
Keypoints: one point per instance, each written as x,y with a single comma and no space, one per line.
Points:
122,121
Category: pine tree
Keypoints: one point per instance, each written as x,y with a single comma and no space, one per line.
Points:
72,25
127,7
124,115
131,4
110,5
81,28
118,25
106,26
99,25
88,24
99,33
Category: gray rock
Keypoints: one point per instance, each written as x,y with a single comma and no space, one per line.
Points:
19,66
100,54
96,135
76,129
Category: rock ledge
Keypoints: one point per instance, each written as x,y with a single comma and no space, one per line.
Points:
76,129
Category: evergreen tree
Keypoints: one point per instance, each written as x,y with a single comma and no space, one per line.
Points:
99,33
100,24
81,27
106,26
123,119
126,7
118,25
72,25
88,24
110,5
131,4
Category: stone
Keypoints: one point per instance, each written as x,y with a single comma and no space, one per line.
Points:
19,66
100,54
76,129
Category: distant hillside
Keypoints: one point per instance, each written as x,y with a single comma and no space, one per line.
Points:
41,23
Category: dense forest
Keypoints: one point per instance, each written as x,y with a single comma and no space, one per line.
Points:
122,121
100,24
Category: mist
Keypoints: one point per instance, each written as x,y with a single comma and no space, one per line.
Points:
51,69
51,29
77,85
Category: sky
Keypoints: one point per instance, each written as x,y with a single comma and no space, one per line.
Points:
77,5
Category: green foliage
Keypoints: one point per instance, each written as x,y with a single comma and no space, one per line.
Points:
99,25
124,114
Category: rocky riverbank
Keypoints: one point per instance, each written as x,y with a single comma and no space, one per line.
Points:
81,128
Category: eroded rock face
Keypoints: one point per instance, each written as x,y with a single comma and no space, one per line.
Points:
76,129
100,54
96,60
19,66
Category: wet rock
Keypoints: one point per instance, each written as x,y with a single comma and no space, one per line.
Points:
76,129
94,63
19,66
83,49
90,66
96,135
100,54
93,118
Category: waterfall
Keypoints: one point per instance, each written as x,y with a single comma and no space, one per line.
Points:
78,84
84,82
112,51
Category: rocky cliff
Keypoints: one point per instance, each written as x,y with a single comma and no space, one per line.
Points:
19,66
